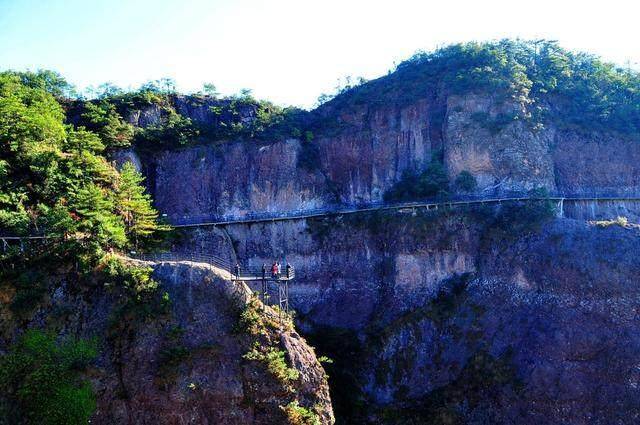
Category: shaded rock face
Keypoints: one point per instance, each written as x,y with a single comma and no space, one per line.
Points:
363,150
187,365
445,324
237,179
510,157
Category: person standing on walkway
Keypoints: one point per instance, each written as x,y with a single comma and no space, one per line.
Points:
274,270
237,271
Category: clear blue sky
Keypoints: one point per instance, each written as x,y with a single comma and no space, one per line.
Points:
288,51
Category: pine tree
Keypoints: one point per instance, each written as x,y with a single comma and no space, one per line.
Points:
94,210
134,205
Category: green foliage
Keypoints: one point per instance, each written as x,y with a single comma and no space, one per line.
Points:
299,415
102,118
618,221
55,179
325,359
274,360
137,281
516,219
573,90
236,117
49,81
174,130
432,182
40,380
466,182
210,89
262,325
93,205
134,204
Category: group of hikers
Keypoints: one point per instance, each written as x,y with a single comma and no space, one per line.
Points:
276,270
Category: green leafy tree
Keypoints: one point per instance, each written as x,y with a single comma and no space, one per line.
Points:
210,90
94,210
50,81
56,180
432,182
108,90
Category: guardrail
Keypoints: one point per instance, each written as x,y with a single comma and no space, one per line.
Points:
212,260
236,272
213,220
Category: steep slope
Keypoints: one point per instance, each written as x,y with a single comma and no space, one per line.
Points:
368,153
188,362
515,115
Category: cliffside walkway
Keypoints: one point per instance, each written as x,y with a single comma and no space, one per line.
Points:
232,271
433,204
266,217
273,291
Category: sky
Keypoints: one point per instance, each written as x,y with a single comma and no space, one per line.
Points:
287,51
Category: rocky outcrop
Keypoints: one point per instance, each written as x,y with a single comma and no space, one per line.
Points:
235,180
435,318
188,363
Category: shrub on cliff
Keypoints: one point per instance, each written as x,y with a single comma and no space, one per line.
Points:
103,119
40,380
516,219
432,182
466,182
299,415
174,130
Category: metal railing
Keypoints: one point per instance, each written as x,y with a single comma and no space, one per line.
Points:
274,287
193,257
287,272
236,272
216,219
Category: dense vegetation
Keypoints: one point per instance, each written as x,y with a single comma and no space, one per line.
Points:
56,179
40,381
430,183
574,90
234,117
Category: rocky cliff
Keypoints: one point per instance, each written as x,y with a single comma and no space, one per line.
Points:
189,362
363,151
481,315
449,319
435,320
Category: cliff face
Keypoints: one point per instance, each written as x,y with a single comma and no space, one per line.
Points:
188,364
432,318
438,317
362,151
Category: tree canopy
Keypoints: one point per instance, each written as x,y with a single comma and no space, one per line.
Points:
56,179
575,91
